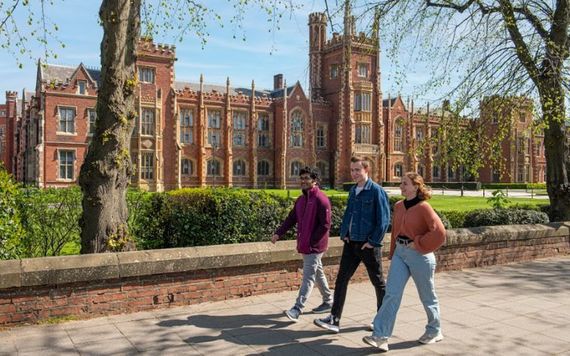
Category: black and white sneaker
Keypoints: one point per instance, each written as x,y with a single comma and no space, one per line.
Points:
331,323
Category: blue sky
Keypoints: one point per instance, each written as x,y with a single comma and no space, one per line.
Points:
262,55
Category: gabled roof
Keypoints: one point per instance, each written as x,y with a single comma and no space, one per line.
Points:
390,101
279,92
59,73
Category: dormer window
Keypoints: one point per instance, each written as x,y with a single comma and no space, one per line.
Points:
81,87
146,75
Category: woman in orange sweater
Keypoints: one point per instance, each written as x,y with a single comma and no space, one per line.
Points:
417,232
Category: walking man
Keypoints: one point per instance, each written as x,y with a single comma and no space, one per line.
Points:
363,226
312,214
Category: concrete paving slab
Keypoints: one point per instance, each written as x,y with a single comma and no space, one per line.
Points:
519,309
118,346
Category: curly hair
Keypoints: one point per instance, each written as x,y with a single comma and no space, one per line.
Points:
424,192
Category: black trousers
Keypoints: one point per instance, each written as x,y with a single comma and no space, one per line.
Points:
352,255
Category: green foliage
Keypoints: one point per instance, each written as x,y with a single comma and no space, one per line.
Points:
141,216
50,218
456,218
444,219
196,217
499,200
11,231
514,185
490,217
338,205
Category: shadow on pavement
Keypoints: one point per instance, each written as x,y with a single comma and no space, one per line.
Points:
265,330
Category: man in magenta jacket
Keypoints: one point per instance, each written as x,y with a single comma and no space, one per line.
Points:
312,214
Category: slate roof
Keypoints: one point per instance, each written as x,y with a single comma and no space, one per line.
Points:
60,73
208,88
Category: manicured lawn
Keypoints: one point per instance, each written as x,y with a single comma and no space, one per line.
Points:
443,203
439,202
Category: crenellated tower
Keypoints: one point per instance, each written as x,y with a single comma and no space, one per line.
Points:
317,42
345,72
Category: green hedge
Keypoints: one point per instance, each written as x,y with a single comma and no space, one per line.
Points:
11,230
490,217
526,186
197,217
44,222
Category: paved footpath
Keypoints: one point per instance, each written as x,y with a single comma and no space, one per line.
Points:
517,309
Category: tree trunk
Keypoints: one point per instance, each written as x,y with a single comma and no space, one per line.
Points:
106,171
556,151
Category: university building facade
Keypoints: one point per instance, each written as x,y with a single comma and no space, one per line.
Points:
196,134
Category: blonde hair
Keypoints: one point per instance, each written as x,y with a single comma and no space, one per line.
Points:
423,190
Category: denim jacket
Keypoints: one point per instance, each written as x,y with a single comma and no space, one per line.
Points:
369,212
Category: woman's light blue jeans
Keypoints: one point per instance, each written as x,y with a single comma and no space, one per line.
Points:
408,262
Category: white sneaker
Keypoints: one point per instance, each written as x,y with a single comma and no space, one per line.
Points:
371,327
381,343
427,338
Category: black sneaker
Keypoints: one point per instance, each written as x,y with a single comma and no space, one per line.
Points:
331,323
323,308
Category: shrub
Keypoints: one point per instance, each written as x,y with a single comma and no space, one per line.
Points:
50,218
456,218
196,217
11,230
490,217
499,200
514,185
444,219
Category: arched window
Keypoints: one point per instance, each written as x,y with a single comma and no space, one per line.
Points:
323,169
187,167
297,129
214,167
296,168
239,167
263,168
398,136
263,132
398,170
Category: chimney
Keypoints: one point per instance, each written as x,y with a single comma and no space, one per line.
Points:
277,81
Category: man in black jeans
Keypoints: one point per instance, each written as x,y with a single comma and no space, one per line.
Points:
364,224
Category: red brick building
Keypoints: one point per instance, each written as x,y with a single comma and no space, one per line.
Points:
9,118
196,134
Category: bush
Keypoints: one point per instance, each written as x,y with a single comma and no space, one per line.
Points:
456,218
197,217
11,230
527,186
490,217
444,219
50,218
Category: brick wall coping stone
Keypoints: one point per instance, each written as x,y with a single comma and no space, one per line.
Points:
32,272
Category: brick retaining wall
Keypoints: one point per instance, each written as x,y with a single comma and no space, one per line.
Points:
33,290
